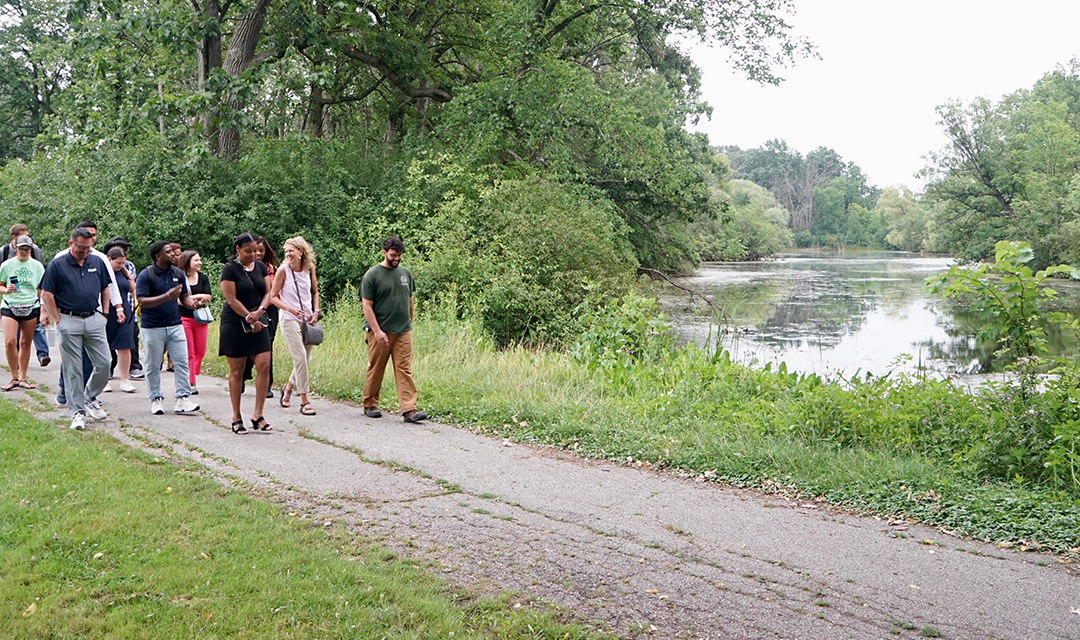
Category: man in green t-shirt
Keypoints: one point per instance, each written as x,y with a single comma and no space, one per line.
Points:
386,292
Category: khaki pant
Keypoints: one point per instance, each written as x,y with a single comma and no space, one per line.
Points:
400,349
300,353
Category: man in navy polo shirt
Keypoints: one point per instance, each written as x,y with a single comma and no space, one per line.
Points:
158,287
74,289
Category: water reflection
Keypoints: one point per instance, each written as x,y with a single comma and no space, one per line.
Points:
829,313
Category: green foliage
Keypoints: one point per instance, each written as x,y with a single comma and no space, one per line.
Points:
620,332
907,220
523,256
753,226
1009,299
1009,171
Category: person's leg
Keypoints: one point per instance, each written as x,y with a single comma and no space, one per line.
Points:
154,341
71,353
176,344
189,337
195,369
26,345
401,348
135,364
123,363
11,345
294,340
96,349
41,344
236,380
377,357
87,365
262,382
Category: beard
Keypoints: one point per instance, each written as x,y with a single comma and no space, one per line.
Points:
393,263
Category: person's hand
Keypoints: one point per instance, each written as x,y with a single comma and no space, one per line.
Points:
120,317
382,338
253,316
175,292
43,317
257,327
312,318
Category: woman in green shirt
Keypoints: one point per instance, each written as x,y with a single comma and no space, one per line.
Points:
19,309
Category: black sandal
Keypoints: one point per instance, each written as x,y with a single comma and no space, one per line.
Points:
285,399
11,385
310,410
23,384
238,427
260,424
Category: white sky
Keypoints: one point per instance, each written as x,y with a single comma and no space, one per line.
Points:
884,67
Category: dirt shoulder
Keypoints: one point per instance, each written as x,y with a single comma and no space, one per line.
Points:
634,551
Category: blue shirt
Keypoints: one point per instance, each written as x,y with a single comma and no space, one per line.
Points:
153,281
76,288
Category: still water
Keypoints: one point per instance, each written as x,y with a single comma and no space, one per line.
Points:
845,313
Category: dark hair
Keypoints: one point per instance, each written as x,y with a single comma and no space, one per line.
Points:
156,248
18,229
242,239
86,224
80,233
395,243
269,257
185,260
116,252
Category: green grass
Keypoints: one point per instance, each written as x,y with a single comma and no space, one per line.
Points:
98,540
904,447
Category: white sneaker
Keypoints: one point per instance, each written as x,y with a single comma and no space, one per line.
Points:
107,389
184,405
156,407
78,421
127,387
94,409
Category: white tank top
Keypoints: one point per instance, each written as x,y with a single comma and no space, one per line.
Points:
296,280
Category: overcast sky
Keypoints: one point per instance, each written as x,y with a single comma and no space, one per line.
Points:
884,67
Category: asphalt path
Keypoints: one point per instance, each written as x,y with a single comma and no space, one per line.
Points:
631,550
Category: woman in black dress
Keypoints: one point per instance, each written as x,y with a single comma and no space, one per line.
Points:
264,253
244,331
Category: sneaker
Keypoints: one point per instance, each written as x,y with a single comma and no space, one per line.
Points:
94,409
414,416
156,407
126,386
137,374
184,405
44,360
372,412
60,400
269,393
78,421
194,391
108,388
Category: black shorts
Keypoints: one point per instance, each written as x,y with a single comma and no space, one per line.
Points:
6,312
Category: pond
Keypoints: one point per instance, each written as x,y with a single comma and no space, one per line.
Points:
841,313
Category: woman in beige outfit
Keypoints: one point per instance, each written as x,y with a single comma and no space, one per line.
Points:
296,293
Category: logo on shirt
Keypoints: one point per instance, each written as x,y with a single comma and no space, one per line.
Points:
404,281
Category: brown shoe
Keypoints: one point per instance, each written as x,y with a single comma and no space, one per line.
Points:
415,416
372,412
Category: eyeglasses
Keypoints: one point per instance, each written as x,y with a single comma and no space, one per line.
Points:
82,247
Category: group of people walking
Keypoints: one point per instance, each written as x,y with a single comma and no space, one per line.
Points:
93,298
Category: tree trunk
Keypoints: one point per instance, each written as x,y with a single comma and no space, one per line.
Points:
208,59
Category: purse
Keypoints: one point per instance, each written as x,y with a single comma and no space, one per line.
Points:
22,310
202,315
312,333
265,320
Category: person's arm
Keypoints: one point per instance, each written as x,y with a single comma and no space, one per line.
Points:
113,292
410,309
142,291
369,315
49,314
105,305
314,298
